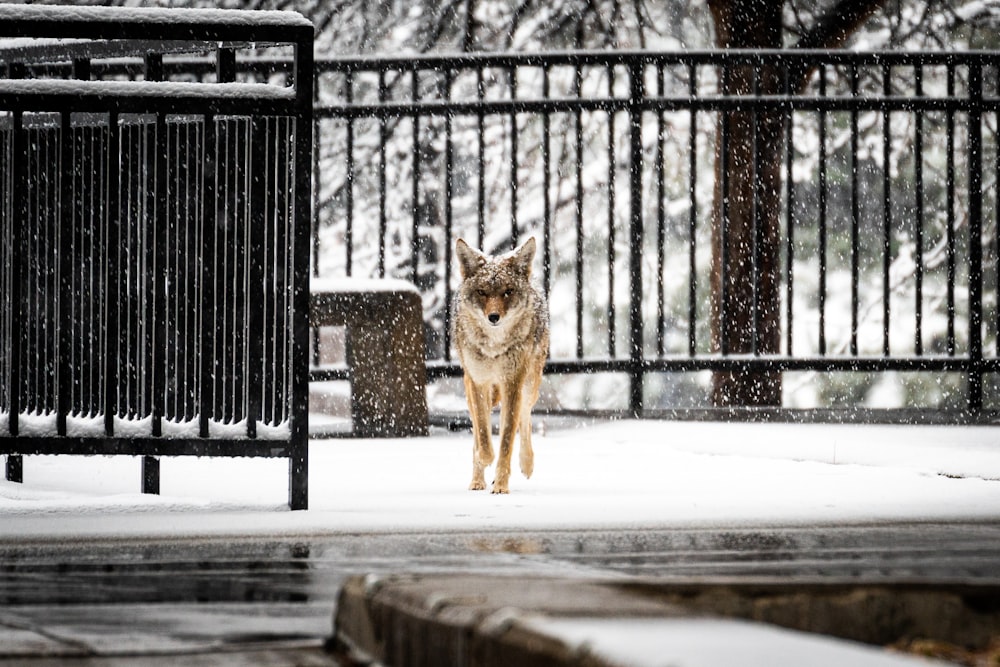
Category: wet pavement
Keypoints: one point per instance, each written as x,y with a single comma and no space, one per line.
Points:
216,601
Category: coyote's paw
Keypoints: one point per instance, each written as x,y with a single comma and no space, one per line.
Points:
499,488
478,481
527,464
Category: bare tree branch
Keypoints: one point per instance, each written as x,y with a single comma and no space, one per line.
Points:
838,23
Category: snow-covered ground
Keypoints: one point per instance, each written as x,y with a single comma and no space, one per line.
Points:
695,642
626,475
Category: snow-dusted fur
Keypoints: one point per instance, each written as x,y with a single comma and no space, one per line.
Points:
502,337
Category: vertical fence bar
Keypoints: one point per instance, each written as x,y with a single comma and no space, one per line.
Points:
950,213
723,234
317,131
481,161
223,232
415,183
6,259
661,231
150,474
546,187
349,175
757,232
125,250
637,94
258,289
244,271
975,158
612,169
79,401
514,145
112,313
789,160
886,207
692,215
855,217
83,344
298,459
449,186
578,201
192,143
157,278
161,278
263,184
383,220
19,202
821,186
209,250
64,280
918,222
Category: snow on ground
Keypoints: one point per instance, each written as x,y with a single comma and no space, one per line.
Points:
694,642
627,475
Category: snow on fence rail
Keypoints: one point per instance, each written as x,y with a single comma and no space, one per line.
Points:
153,291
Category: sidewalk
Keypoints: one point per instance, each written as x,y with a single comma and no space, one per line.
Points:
616,484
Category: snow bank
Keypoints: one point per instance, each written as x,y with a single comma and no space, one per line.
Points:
145,89
89,426
708,642
356,285
160,15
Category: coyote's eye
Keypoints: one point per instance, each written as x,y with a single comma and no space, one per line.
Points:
481,293
507,293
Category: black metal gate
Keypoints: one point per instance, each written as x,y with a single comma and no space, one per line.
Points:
152,235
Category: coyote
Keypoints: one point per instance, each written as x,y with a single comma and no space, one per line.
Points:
501,332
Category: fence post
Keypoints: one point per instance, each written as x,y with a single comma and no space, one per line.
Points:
298,458
636,95
150,467
19,189
975,379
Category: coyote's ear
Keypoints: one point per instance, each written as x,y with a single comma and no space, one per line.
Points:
524,256
469,260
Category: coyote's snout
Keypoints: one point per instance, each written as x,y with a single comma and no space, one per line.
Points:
502,337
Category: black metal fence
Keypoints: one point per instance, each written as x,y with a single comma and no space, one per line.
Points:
886,197
153,240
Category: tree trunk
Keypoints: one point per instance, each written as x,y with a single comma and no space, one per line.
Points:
746,258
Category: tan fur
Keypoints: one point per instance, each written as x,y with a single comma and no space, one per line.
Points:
502,336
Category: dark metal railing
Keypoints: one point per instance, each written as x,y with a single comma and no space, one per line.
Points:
885,206
884,212
153,300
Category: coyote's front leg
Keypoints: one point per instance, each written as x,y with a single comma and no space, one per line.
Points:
482,449
510,413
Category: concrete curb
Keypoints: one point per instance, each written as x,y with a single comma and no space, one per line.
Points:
480,621
414,621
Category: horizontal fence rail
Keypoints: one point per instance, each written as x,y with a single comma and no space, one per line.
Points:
878,182
153,243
